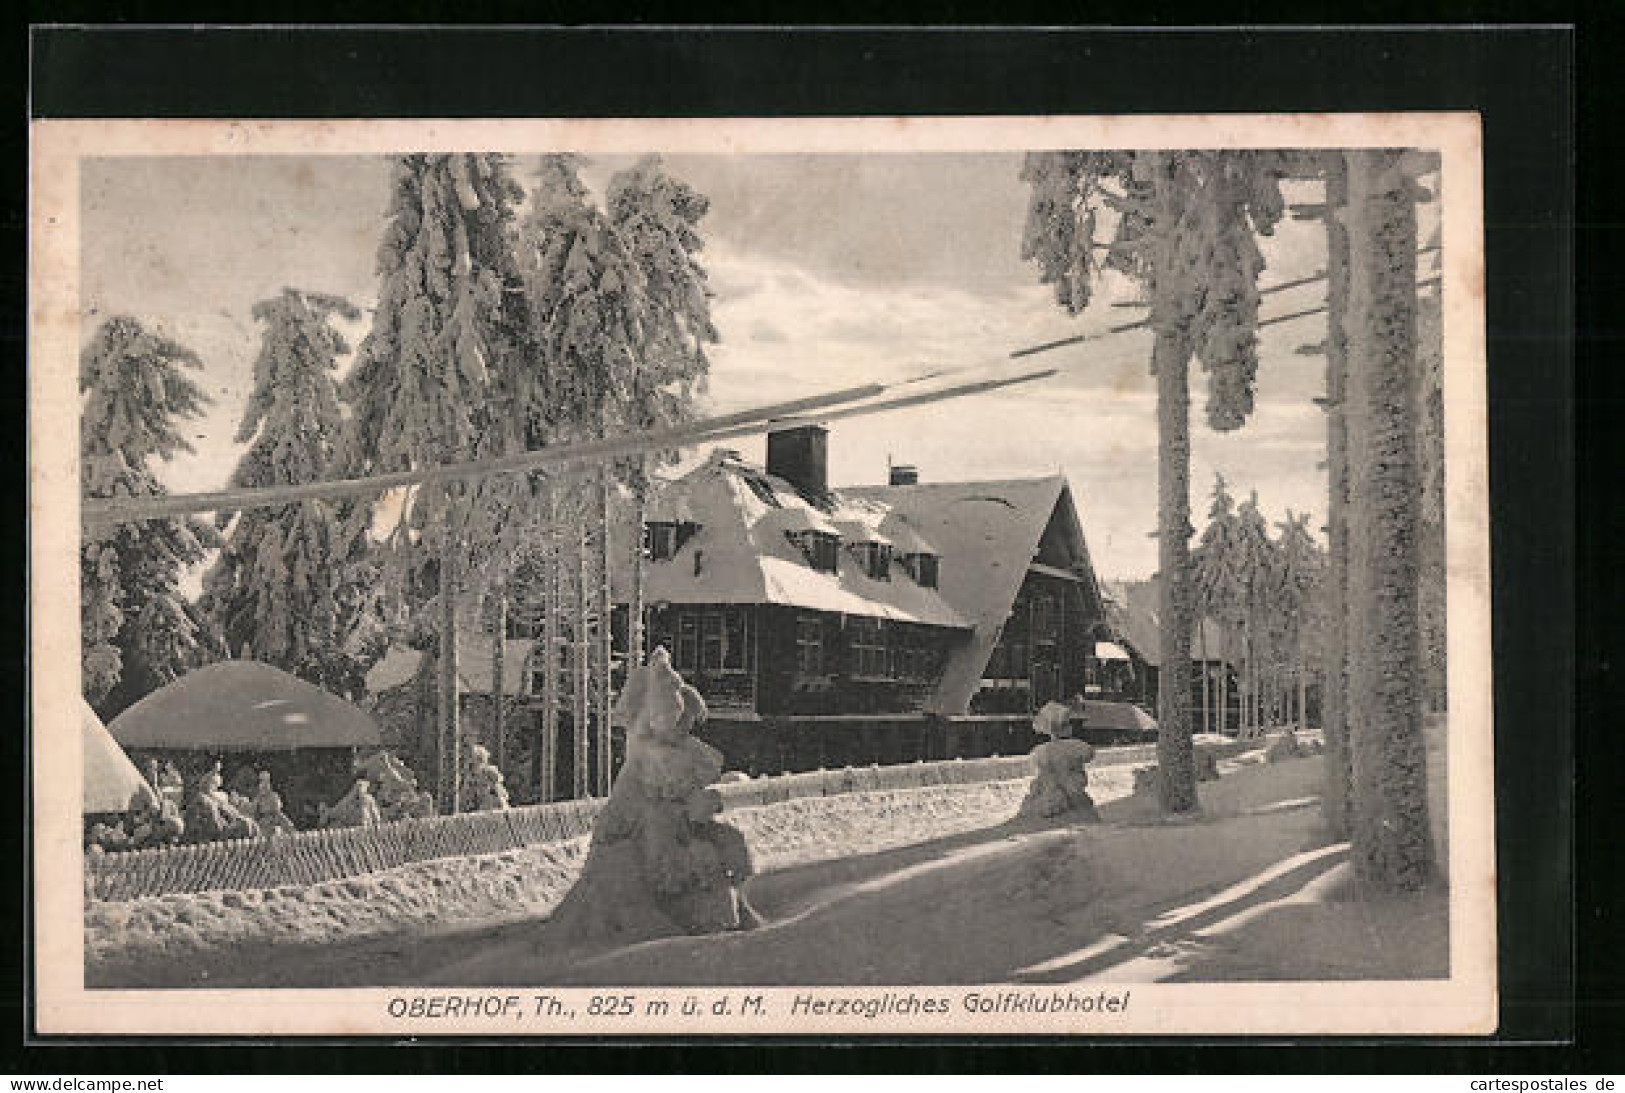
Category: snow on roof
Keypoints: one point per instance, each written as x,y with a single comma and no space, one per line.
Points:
476,665
986,534
1131,613
243,705
743,554
1117,717
396,668
110,779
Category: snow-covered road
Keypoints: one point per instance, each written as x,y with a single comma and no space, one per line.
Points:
1132,898
935,885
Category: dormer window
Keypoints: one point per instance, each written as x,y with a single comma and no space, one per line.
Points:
923,568
875,558
524,621
664,538
820,548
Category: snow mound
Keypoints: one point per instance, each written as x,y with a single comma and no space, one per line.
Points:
175,929
252,936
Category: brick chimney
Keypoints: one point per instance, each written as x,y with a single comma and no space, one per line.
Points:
800,456
903,474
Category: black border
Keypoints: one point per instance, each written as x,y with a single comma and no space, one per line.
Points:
1519,79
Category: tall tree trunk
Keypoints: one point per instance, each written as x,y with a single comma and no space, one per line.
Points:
635,652
1392,846
499,689
450,729
606,652
1303,691
1177,766
1335,796
581,650
1249,705
1207,717
550,651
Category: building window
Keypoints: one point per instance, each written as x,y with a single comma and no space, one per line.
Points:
869,652
917,657
536,670
809,645
820,548
906,653
524,622
735,639
664,538
875,558
710,641
923,568
1046,620
660,540
687,643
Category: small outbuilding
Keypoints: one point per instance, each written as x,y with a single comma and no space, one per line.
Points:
249,717
111,780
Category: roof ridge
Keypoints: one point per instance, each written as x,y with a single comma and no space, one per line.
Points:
1033,480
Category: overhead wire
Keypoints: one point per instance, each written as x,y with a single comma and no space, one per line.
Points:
848,402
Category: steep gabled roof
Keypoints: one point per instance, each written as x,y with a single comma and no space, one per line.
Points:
988,534
476,664
742,552
110,779
1131,613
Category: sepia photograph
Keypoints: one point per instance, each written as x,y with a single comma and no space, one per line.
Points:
714,577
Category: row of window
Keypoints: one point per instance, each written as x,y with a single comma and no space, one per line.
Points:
874,559
876,650
663,539
719,642
822,551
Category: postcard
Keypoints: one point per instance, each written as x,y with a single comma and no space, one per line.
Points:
869,576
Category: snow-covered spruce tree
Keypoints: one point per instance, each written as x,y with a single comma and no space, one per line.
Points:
1185,227
1215,581
448,316
1302,568
100,618
287,587
657,217
590,324
1392,848
139,630
1253,564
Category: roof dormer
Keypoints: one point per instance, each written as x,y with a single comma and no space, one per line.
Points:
924,567
820,548
873,557
664,538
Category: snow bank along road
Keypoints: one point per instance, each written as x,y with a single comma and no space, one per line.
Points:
354,931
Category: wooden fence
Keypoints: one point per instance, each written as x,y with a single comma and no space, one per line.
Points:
312,857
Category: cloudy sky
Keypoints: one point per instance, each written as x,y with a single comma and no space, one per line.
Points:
827,271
